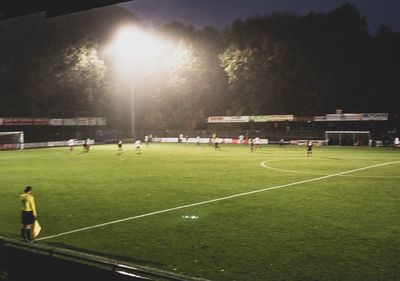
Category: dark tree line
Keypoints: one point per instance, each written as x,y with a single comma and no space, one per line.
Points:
311,65
52,66
275,64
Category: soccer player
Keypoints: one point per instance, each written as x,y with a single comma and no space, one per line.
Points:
146,140
257,143
309,148
251,144
397,142
215,140
29,214
71,143
87,144
120,145
216,144
138,146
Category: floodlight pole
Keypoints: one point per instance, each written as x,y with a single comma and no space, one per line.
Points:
133,90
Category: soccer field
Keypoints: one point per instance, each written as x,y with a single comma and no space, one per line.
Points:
272,214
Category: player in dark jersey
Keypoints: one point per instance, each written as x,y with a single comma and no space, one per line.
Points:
251,144
309,148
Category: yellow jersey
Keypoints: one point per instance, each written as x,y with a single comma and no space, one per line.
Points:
28,203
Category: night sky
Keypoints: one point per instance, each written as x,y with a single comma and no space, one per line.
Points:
221,13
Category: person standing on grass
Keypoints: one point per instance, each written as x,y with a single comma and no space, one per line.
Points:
120,145
251,144
138,146
257,143
309,148
71,143
29,214
216,141
87,144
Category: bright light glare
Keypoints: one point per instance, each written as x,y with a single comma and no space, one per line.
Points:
136,46
138,52
178,56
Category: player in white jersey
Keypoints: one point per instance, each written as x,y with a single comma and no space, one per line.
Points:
257,143
71,144
138,146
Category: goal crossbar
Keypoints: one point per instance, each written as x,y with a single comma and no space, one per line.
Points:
340,135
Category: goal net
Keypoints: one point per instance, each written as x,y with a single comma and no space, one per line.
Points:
347,137
11,140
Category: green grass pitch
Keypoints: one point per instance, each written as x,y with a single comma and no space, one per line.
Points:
340,227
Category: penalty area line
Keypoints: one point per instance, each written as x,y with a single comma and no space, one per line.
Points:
216,200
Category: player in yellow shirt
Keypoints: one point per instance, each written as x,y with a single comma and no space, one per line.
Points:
29,214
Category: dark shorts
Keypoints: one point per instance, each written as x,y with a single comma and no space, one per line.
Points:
27,217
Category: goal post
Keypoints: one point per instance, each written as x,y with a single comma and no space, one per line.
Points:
348,137
11,140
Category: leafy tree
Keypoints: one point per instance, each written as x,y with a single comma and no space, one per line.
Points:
193,88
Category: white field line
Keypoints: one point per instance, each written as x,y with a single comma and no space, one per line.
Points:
216,200
264,165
